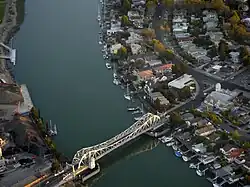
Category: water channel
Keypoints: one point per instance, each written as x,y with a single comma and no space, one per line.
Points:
59,59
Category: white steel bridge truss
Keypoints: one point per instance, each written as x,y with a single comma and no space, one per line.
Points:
146,123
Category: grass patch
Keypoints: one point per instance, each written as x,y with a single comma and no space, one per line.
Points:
2,9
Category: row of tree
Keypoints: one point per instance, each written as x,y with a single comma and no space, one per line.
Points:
35,114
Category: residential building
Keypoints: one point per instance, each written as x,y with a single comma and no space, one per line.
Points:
158,95
114,48
227,149
205,131
181,82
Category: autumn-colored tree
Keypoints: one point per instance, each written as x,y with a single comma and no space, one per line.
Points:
168,3
235,18
148,33
122,52
159,47
218,4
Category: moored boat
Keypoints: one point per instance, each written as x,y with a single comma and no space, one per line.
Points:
108,65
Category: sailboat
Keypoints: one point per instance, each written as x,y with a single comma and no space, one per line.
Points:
127,95
55,129
52,130
115,78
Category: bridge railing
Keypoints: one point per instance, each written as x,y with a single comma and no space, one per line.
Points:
132,128
99,153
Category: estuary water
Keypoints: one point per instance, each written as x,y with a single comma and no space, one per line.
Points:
59,58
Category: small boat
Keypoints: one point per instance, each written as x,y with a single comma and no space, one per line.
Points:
116,82
108,65
170,144
178,154
100,43
192,166
133,108
185,158
136,112
174,147
137,118
199,173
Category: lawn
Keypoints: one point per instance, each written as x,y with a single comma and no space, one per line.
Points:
2,9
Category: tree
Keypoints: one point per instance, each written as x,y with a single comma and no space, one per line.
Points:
235,135
151,4
159,47
176,119
212,52
218,4
126,6
223,50
185,92
235,18
35,113
55,165
122,52
148,33
125,21
168,3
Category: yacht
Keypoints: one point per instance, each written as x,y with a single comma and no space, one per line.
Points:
136,112
133,108
127,95
108,65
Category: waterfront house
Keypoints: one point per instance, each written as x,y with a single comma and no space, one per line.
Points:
228,148
10,97
199,148
158,96
205,131
114,48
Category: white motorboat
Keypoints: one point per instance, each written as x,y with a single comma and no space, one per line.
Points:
133,108
185,158
170,144
116,82
108,65
199,173
174,147
100,43
136,112
192,166
166,139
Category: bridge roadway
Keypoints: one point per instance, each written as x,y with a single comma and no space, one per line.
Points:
112,140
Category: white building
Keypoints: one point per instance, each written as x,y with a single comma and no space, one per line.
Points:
114,48
135,48
181,82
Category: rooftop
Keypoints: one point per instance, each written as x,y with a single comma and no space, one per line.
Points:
181,82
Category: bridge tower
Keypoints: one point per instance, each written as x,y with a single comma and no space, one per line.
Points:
91,163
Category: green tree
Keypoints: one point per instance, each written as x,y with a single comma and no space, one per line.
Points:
126,6
122,52
223,50
55,165
125,21
235,135
175,118
35,113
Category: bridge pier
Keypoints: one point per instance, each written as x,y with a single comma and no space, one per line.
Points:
91,163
